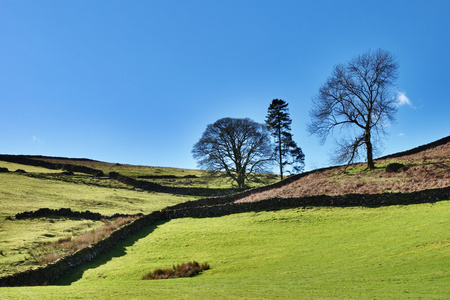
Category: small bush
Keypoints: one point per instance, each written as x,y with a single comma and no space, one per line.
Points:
188,269
394,167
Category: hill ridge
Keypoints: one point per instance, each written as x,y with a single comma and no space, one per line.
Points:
414,150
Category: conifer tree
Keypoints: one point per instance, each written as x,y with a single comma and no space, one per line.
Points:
288,155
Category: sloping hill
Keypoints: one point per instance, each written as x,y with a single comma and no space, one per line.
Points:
425,167
434,162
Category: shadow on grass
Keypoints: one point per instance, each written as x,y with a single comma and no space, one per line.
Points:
116,251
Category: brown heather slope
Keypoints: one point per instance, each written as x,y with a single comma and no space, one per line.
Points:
427,169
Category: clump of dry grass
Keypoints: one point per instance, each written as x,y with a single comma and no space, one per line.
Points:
188,269
428,169
48,252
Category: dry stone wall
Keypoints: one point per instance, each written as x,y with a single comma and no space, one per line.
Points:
51,272
26,160
68,213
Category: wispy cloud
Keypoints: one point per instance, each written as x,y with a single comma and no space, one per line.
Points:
36,139
402,99
401,134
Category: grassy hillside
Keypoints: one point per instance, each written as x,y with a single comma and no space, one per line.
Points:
169,176
393,252
19,193
427,169
48,188
396,252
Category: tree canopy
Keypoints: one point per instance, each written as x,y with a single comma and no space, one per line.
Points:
239,147
357,97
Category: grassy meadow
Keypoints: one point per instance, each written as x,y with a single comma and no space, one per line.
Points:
392,252
395,252
80,192
46,188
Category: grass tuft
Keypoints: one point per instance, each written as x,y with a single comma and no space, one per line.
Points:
188,269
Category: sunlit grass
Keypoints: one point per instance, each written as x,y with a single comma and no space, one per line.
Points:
18,237
395,252
19,193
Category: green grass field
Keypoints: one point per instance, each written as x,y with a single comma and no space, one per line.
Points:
19,193
395,252
46,188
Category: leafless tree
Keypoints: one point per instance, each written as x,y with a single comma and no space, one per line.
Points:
357,96
239,147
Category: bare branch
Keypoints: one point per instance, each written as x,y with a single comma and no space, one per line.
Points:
358,94
236,146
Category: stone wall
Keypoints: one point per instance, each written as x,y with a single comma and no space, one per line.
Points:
51,272
440,142
26,160
375,200
68,213
46,274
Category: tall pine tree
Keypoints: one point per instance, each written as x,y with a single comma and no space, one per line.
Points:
289,156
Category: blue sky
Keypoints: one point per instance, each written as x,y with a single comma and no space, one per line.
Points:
138,81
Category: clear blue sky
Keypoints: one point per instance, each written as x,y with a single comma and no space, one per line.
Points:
138,81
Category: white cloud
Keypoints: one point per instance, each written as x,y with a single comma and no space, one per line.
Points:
402,99
401,134
36,139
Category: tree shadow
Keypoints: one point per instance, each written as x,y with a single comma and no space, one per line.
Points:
117,251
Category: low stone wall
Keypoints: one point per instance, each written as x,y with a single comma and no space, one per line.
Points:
148,186
68,213
25,160
154,187
288,180
440,142
233,197
376,200
51,272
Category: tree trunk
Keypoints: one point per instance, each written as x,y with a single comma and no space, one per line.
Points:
368,142
240,180
280,155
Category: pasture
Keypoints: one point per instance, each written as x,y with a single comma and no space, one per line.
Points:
395,252
390,252
47,188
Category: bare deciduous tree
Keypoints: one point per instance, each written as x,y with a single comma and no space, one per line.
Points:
357,96
239,147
